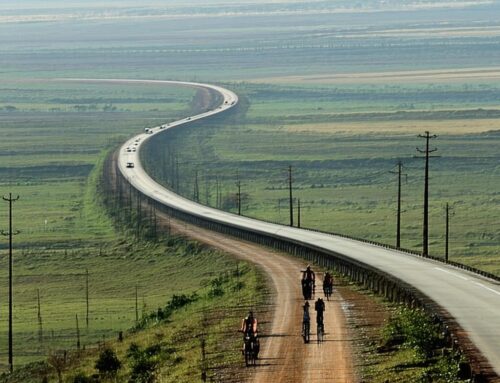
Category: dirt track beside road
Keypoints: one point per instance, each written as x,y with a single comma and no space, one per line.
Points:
284,357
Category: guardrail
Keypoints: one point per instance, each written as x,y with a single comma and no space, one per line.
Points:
394,289
386,285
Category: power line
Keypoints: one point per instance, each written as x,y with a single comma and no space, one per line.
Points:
425,227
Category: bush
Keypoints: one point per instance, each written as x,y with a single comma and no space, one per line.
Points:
162,314
82,378
108,363
144,363
412,329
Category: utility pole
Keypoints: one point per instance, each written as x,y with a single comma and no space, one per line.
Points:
10,233
196,192
217,203
449,212
177,173
87,296
290,191
398,218
138,213
77,334
425,229
40,328
136,306
298,213
238,195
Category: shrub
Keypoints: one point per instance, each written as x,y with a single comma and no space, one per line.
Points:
162,314
413,329
144,363
108,363
82,378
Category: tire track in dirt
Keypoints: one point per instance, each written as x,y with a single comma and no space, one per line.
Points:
284,357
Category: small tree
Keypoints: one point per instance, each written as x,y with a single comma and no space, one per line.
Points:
59,361
108,363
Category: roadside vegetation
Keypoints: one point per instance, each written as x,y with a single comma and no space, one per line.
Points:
191,298
393,343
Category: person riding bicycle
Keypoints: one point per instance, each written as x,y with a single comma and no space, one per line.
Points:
319,307
308,274
327,283
249,327
306,319
308,282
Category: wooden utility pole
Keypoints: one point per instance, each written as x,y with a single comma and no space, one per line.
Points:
217,186
87,296
40,328
290,192
139,212
238,195
10,233
449,212
398,216
77,334
176,173
196,191
298,213
425,229
136,306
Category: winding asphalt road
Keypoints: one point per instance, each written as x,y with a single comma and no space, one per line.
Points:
473,301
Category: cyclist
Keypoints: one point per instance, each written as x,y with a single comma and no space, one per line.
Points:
306,321
328,284
319,307
308,282
308,274
249,327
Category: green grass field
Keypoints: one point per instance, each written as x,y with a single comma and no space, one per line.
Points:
342,176
52,154
407,70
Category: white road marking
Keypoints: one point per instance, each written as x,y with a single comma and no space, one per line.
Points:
487,288
449,272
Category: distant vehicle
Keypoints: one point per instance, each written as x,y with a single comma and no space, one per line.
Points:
149,131
162,127
133,150
130,164
129,150
188,118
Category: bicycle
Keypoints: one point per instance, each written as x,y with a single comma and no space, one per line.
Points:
251,349
327,290
306,331
308,289
320,331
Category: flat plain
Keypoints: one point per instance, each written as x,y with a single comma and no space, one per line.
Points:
338,91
